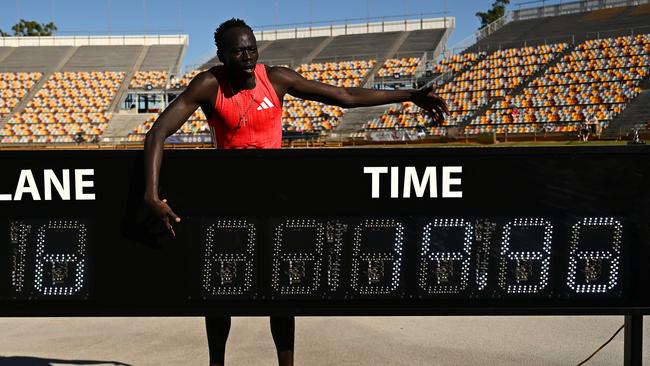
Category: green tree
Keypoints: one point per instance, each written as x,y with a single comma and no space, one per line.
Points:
3,34
31,28
497,11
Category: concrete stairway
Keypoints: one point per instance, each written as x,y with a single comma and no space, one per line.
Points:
369,79
354,119
307,59
121,124
5,52
637,112
120,94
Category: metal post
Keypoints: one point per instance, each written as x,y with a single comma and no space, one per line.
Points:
633,354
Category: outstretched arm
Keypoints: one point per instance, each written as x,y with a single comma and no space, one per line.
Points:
198,93
291,82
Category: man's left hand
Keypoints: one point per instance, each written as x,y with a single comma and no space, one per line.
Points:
432,103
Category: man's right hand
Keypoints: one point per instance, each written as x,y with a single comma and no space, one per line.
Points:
162,211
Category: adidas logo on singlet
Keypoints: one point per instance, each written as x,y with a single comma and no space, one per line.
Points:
266,104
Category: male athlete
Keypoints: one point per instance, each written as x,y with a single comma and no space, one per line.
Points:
243,103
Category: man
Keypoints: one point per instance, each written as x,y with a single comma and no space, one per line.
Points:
596,128
243,103
585,128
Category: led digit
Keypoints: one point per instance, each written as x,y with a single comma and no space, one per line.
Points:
60,258
18,236
443,270
377,256
594,255
297,257
228,257
485,231
525,270
334,231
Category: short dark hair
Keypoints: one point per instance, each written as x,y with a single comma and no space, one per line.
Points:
228,24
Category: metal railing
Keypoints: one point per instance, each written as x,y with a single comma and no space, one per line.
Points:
108,40
573,38
564,8
352,26
478,35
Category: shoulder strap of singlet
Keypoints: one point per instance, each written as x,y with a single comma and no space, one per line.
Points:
266,82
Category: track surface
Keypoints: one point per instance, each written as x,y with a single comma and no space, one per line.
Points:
458,341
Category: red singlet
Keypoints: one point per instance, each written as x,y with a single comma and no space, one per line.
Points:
250,119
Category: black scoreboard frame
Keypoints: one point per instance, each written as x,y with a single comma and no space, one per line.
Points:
352,203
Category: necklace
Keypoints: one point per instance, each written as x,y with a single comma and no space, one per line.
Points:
242,116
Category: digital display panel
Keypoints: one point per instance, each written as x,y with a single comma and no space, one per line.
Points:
49,259
263,247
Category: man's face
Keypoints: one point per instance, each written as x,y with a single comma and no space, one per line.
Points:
240,51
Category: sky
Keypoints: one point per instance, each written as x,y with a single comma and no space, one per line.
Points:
199,18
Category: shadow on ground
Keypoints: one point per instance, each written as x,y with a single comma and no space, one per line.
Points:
36,361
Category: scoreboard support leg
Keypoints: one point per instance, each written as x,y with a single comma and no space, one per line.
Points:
633,340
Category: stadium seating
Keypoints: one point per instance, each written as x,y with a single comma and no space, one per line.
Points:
598,79
455,63
408,115
13,88
487,78
308,116
342,73
185,79
156,79
195,125
69,103
404,67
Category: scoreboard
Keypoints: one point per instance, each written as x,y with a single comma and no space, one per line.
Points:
328,232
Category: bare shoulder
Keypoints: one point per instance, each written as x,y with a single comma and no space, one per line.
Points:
280,73
205,79
203,88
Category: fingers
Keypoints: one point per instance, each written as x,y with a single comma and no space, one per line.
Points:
171,213
441,103
169,226
168,217
436,117
444,105
437,114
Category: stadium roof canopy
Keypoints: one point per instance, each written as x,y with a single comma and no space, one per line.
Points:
357,28
74,41
92,53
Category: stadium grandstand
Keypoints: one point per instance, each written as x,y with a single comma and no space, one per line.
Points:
543,70
68,89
